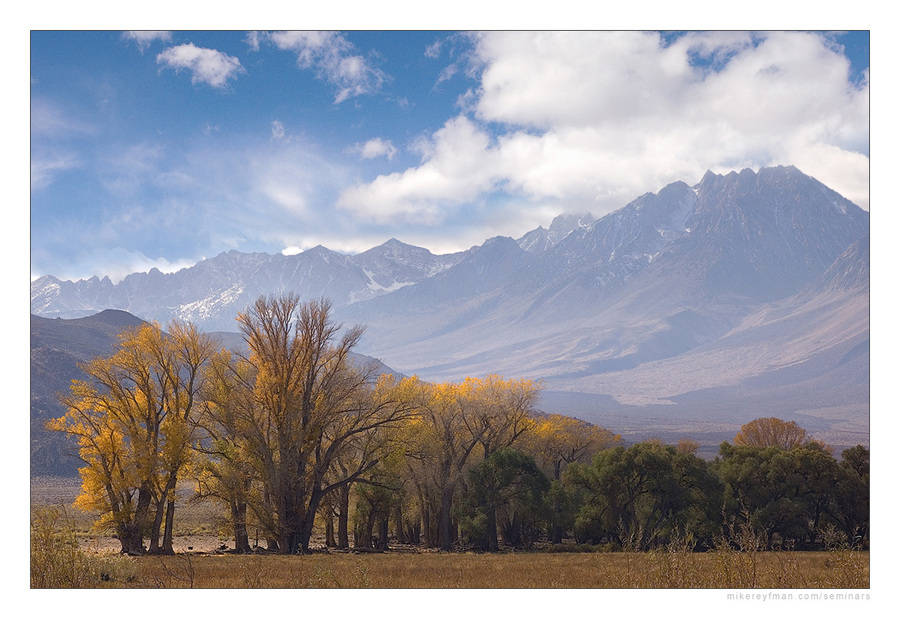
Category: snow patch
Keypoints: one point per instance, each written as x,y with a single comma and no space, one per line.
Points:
211,306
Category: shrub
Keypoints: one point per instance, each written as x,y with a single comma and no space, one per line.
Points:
57,562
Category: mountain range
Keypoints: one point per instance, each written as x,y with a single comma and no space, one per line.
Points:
685,313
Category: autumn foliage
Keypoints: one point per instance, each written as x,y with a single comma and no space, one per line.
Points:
771,432
294,437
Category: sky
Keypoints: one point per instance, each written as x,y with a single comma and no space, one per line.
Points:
162,148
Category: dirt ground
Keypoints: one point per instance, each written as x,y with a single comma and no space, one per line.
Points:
195,529
200,544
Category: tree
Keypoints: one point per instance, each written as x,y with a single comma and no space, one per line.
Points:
556,441
225,472
850,511
507,482
643,495
135,420
771,432
784,495
308,404
453,420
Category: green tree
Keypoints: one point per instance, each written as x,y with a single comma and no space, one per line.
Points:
850,509
643,495
453,420
783,494
510,483
225,469
556,441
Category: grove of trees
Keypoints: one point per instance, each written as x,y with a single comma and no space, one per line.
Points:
294,438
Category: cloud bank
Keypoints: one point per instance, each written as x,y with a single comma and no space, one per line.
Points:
590,120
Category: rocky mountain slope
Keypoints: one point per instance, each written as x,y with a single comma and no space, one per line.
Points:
59,346
743,295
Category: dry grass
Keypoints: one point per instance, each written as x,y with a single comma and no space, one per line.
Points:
65,553
656,570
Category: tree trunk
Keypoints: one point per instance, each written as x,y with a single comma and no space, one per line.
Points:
239,521
154,530
398,521
130,533
446,523
343,516
556,534
130,538
382,543
491,526
167,534
428,527
306,521
329,527
414,533
363,531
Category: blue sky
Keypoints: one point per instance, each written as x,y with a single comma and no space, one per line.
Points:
159,149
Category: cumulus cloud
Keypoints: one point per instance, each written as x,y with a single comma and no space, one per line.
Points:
144,38
333,58
590,120
458,166
252,40
374,148
205,65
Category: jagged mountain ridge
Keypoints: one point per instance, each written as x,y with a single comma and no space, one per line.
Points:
213,291
607,308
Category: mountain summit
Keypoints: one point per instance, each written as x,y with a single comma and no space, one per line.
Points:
678,303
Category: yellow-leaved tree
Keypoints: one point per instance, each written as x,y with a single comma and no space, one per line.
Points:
453,420
134,420
771,432
306,407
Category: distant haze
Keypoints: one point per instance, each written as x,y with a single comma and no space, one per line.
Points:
693,307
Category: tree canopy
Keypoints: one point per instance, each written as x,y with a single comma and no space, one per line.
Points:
293,434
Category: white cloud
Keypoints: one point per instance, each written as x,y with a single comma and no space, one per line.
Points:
333,58
126,172
252,40
145,38
205,65
116,263
49,121
45,167
433,50
52,151
590,120
277,130
458,166
374,148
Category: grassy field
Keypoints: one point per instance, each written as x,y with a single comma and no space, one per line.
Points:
773,570
841,569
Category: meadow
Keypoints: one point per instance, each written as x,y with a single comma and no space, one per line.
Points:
840,569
